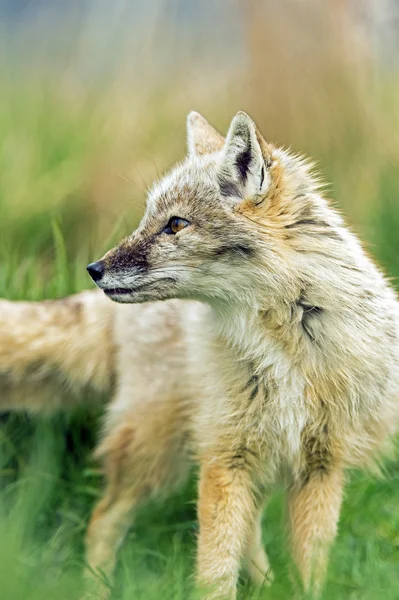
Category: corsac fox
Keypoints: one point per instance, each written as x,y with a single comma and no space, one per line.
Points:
276,353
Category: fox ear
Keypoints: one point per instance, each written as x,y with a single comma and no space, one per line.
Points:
202,137
245,162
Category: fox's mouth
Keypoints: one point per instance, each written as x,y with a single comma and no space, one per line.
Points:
117,291
144,286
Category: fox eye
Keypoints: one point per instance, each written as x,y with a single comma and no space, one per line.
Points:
175,225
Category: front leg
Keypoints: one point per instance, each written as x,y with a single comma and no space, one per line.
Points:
227,511
257,562
314,507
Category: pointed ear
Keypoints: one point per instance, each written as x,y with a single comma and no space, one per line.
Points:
246,159
202,137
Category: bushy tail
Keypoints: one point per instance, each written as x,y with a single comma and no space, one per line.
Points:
51,351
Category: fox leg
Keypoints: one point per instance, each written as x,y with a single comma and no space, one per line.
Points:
314,508
108,526
141,460
227,511
257,562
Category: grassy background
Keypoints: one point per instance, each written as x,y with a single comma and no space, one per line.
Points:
90,113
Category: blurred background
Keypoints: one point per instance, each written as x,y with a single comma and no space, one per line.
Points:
93,100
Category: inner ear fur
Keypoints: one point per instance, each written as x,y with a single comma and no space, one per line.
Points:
245,160
202,137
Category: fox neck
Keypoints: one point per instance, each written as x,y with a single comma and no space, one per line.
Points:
258,330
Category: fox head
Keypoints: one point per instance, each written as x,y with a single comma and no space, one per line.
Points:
220,227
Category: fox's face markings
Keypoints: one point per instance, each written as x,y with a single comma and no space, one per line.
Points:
184,243
217,224
127,257
191,232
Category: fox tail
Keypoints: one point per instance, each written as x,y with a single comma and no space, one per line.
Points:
51,351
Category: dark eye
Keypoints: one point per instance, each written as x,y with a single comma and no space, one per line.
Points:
175,225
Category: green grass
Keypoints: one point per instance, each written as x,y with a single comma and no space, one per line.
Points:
49,485
55,163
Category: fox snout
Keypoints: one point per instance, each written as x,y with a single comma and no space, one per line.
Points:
122,275
96,270
125,260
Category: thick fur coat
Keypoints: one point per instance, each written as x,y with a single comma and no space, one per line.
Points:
277,352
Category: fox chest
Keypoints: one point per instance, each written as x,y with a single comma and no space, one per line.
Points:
273,413
252,398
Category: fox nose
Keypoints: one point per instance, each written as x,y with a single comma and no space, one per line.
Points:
96,270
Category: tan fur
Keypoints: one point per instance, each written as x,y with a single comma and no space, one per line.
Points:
314,507
257,562
277,354
226,512
202,137
50,350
